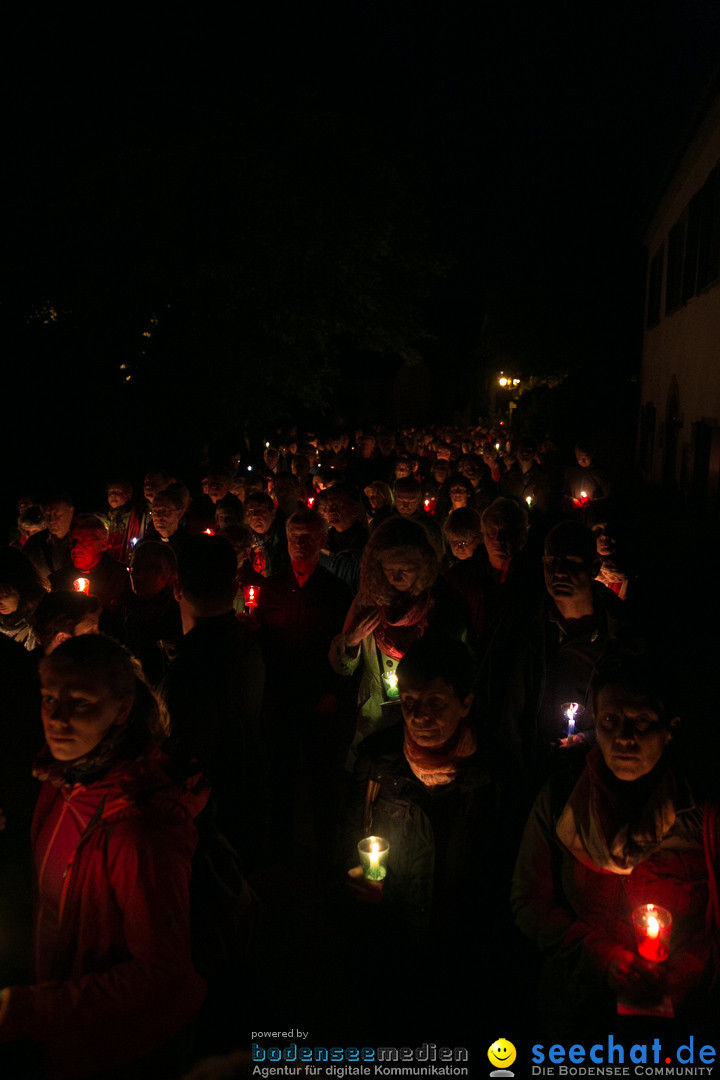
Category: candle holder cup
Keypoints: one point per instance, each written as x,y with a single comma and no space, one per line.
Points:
373,852
653,926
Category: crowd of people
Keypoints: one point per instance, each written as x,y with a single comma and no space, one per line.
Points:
436,638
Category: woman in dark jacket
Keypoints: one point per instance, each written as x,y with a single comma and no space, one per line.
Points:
624,833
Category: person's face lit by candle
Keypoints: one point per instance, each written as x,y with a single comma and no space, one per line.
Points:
166,516
9,600
259,517
459,496
401,571
463,547
154,483
118,495
78,709
604,539
59,517
375,497
86,547
340,512
304,544
218,486
432,710
407,503
631,735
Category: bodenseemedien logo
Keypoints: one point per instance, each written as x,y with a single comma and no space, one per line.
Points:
501,1054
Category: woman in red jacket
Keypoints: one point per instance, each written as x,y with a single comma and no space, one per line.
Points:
113,838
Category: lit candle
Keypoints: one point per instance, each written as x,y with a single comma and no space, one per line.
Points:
390,682
134,541
82,584
653,925
311,500
251,596
209,532
529,500
373,852
572,711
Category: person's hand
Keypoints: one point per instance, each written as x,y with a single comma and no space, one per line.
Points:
362,628
364,891
634,978
572,740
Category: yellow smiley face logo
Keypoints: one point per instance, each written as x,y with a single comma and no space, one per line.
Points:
502,1054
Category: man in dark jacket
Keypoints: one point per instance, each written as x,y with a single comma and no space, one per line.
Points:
213,690
301,610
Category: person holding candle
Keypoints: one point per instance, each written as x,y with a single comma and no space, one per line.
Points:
622,833
400,598
544,653
108,579
422,797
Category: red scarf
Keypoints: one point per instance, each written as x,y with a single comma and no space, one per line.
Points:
395,638
439,765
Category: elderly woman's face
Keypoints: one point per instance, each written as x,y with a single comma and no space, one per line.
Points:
78,710
458,497
432,711
630,734
402,571
463,547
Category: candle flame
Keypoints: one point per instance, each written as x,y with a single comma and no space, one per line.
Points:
392,679
81,584
209,532
583,495
374,851
653,927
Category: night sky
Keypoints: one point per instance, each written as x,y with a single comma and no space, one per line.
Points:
268,218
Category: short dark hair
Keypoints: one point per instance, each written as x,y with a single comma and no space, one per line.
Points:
434,657
59,613
206,572
307,518
407,485
645,676
259,498
575,537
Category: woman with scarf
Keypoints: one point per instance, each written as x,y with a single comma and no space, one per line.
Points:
626,832
112,839
423,786
399,600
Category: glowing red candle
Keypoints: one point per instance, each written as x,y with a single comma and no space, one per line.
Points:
251,596
311,500
82,584
209,532
653,925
